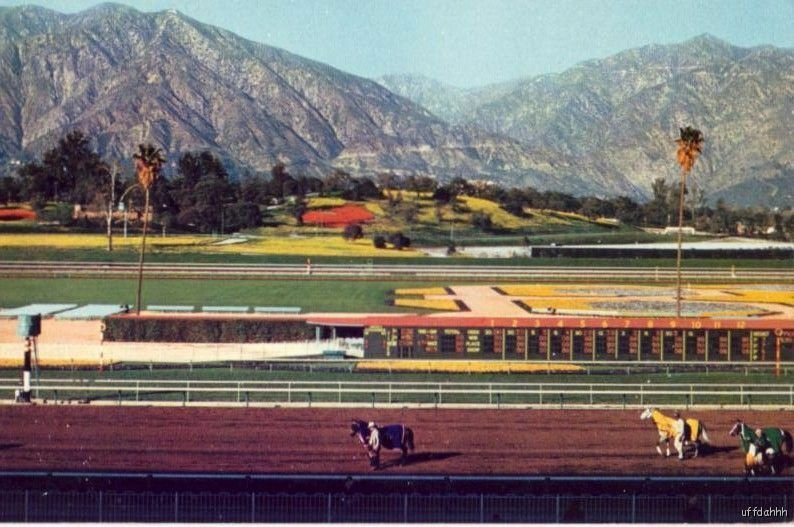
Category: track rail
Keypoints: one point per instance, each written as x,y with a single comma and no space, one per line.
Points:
392,271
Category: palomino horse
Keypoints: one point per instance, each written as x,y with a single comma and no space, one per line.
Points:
391,436
773,457
694,432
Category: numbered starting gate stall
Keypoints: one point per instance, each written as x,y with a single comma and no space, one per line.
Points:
664,339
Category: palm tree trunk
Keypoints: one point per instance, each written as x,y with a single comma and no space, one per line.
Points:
680,239
143,251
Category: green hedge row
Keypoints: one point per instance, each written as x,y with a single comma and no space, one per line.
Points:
130,329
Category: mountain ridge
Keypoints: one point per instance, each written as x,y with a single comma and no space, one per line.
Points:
125,77
620,114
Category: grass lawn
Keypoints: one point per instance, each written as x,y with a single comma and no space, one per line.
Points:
311,295
194,254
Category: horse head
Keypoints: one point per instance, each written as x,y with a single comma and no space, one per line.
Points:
647,413
736,429
359,428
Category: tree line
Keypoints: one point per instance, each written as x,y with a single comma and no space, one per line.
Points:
199,195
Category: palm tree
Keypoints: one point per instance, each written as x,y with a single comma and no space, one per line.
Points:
148,162
690,144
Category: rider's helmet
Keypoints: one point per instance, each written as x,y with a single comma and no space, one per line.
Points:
371,425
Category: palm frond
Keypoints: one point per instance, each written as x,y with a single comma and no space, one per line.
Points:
148,162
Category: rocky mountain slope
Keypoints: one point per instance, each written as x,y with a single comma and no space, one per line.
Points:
123,77
619,116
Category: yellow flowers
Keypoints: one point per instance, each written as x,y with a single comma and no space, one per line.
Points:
311,246
286,244
467,366
421,291
442,304
94,241
530,290
318,203
424,303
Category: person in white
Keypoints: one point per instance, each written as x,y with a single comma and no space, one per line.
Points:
374,445
680,435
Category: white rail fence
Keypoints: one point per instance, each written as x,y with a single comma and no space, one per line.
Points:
58,269
411,394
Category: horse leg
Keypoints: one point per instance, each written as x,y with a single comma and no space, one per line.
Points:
679,446
662,439
697,445
374,461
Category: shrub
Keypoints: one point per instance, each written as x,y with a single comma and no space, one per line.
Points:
379,241
399,241
482,221
353,232
198,329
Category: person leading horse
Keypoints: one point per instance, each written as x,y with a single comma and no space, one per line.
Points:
764,448
374,438
681,432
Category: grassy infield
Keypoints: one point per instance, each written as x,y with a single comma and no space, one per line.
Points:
310,295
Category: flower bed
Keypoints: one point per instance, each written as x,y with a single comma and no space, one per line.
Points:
422,291
17,214
423,303
338,216
458,366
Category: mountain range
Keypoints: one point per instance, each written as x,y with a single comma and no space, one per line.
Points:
605,127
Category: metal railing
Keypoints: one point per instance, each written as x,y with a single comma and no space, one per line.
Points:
127,506
359,393
435,271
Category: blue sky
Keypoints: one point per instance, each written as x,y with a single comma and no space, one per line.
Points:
474,42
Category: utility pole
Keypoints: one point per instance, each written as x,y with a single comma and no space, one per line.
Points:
110,205
28,327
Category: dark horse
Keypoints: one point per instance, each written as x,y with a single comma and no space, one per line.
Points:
391,437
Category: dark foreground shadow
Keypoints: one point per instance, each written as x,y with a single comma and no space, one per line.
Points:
9,446
421,457
707,450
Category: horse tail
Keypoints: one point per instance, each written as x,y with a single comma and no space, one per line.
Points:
409,438
788,443
704,434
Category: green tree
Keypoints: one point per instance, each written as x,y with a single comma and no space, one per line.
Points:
690,145
482,221
148,163
71,171
10,189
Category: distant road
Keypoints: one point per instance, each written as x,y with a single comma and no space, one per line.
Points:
389,271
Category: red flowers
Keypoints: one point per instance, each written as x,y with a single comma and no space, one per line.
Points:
16,214
338,216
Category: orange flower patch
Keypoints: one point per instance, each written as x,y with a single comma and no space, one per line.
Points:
338,216
17,214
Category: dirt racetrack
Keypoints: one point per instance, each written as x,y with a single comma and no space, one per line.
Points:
300,441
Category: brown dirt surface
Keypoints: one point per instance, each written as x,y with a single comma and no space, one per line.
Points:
55,331
299,441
